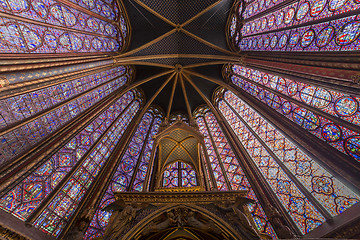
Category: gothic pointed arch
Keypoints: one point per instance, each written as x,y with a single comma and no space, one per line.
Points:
178,156
102,98
282,164
222,229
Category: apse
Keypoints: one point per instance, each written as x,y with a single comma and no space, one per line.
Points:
166,99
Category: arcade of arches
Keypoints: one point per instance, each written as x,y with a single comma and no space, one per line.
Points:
179,119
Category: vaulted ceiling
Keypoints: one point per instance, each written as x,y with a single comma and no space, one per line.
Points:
185,39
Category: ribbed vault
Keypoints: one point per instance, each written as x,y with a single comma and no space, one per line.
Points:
271,87
177,35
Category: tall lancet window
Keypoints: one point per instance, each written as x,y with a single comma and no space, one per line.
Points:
308,192
179,174
56,27
291,26
226,168
50,193
28,118
130,171
320,111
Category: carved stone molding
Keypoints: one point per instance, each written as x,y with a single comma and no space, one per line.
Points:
3,81
179,197
9,234
180,189
156,215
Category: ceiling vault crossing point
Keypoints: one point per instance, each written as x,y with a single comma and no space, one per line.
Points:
180,41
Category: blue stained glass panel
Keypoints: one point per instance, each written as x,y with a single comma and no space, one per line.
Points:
121,178
54,169
232,169
322,185
23,106
335,103
81,180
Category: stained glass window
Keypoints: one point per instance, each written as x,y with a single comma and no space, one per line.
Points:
58,104
294,176
21,106
234,25
57,213
179,174
55,27
33,188
296,13
27,76
107,9
133,165
285,96
223,163
142,170
291,26
255,7
337,35
215,164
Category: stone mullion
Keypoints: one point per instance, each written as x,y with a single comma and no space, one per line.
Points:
142,150
125,43
151,167
270,10
87,11
259,185
19,18
218,156
306,193
326,59
210,171
100,185
19,62
123,13
347,84
339,164
51,109
33,85
179,175
316,21
58,188
336,120
26,162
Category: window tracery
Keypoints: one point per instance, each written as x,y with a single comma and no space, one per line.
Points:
298,26
293,176
54,218
74,98
298,13
137,154
273,90
337,35
224,164
29,193
179,174
55,27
